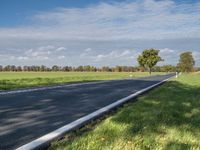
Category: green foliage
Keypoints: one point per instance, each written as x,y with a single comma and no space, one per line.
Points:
169,68
149,58
167,118
186,62
165,68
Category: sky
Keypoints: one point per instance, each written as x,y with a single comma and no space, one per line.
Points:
97,32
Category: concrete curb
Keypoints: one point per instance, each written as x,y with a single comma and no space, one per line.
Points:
46,139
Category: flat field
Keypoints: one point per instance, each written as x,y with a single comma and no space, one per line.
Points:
167,118
13,80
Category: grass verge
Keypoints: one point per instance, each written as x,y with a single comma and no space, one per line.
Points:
167,118
14,80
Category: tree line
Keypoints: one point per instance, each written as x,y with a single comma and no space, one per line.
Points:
88,68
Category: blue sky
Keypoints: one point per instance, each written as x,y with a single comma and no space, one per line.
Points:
82,32
15,12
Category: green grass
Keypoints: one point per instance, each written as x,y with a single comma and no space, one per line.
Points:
167,118
13,80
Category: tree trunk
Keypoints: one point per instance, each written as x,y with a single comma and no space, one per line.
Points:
150,71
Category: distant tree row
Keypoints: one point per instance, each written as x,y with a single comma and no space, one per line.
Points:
88,68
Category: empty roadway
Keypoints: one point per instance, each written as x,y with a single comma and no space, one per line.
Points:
29,115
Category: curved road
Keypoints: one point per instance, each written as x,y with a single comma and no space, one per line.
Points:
28,115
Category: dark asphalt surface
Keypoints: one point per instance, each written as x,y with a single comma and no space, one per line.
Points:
27,116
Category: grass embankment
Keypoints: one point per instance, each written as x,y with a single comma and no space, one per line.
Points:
13,80
167,118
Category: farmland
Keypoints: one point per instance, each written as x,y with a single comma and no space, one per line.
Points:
166,118
13,80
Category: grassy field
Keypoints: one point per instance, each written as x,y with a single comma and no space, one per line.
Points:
12,80
167,118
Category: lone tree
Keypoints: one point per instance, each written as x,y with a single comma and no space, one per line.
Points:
186,62
149,58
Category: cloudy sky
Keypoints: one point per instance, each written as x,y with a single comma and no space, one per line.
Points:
96,32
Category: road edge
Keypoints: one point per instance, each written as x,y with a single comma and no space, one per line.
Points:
48,138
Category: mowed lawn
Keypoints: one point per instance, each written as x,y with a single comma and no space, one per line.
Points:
13,80
167,118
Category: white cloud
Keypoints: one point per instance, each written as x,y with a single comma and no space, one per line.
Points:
7,57
88,50
96,56
60,49
196,55
38,53
166,50
146,19
42,52
22,58
86,53
61,57
168,55
126,54
43,57
104,33
46,48
101,56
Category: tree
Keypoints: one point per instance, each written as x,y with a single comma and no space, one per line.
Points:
19,68
79,68
106,69
42,68
55,68
169,68
149,58
1,68
7,68
118,69
186,62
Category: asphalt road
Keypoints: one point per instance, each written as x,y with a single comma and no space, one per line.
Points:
29,115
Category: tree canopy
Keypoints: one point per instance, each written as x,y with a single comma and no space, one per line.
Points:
149,58
186,62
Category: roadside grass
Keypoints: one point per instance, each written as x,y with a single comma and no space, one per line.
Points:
167,118
13,80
